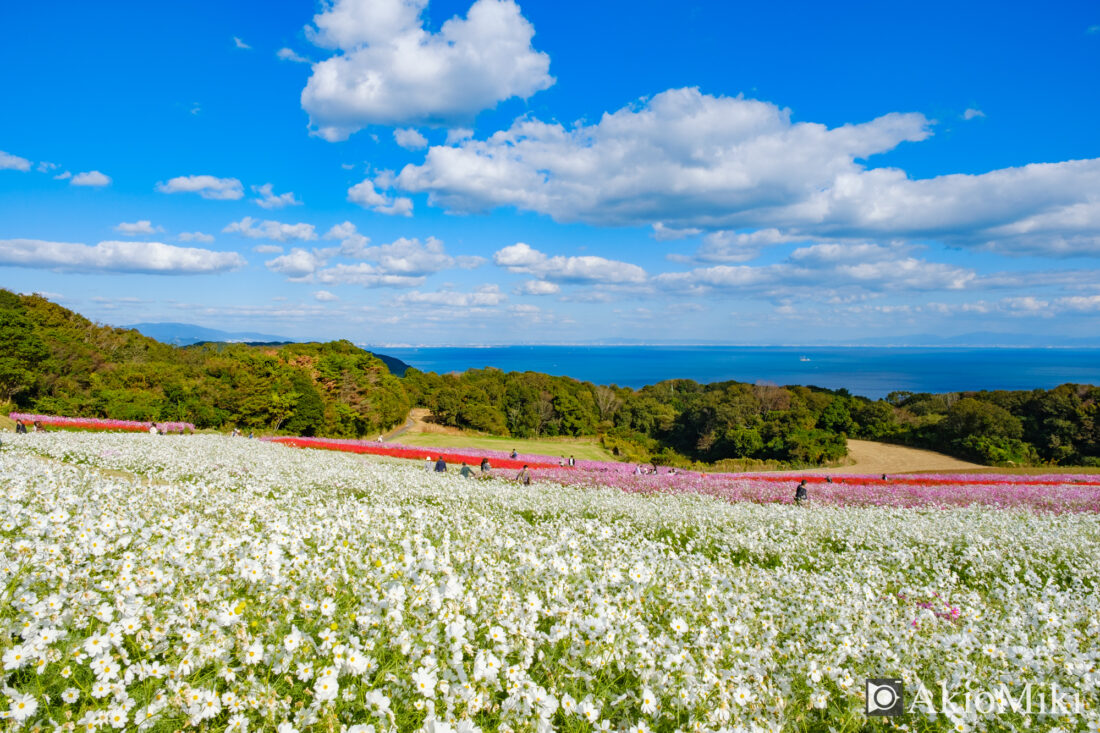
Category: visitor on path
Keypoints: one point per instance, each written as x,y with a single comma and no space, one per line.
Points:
524,476
466,472
20,428
441,465
800,494
485,465
572,462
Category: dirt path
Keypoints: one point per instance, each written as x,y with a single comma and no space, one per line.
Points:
418,423
874,458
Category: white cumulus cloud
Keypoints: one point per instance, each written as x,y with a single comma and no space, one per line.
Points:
410,138
483,297
538,287
404,262
297,264
824,270
153,258
90,178
268,229
135,228
365,194
368,276
288,54
521,257
684,160
268,199
730,246
13,162
325,296
390,70
209,187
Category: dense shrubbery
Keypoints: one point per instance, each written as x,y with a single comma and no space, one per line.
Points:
55,361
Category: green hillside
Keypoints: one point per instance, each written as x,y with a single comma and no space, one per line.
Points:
55,361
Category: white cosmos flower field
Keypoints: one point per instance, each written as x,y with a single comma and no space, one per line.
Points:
167,583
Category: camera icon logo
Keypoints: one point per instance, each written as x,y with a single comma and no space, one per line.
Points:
885,698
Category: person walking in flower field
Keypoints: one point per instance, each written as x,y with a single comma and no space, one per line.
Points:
524,476
800,493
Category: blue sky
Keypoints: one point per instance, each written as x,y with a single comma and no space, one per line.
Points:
399,171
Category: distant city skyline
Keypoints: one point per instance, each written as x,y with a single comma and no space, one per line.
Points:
491,172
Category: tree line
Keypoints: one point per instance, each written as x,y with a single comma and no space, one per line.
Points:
680,421
55,361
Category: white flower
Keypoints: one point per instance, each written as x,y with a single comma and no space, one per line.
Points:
424,681
325,688
21,706
16,657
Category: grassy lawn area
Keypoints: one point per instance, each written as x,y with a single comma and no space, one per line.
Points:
578,447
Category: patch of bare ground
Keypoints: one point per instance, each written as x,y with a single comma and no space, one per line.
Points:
867,456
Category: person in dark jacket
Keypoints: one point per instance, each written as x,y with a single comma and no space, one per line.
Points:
20,428
441,465
524,476
800,494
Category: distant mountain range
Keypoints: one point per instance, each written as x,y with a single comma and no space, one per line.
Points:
186,334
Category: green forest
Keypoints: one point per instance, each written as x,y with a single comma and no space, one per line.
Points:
54,361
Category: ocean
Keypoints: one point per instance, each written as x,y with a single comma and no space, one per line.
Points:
871,372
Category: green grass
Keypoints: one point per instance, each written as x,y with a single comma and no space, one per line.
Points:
580,448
